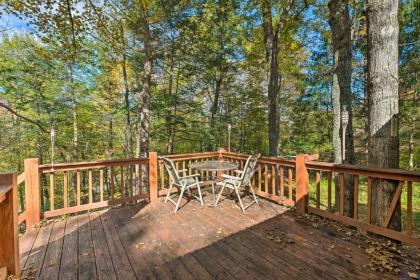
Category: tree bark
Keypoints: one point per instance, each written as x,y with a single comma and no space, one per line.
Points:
74,115
342,96
109,148
128,133
271,42
271,38
170,119
144,98
382,85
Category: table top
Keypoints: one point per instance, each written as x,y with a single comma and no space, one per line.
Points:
214,165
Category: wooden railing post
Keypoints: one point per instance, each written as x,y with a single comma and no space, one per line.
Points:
153,185
221,151
302,184
32,192
9,234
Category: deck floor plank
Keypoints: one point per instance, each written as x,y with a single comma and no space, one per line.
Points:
68,269
104,265
119,257
149,241
130,237
86,257
170,249
52,261
26,243
36,257
188,259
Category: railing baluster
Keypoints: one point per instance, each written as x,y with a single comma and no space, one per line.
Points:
342,186
90,190
122,187
140,181
78,187
65,189
101,185
290,183
329,191
410,208
111,182
51,191
369,200
130,168
162,175
318,189
273,179
282,182
356,197
259,176
266,178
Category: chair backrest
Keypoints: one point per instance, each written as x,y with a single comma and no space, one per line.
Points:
170,167
249,169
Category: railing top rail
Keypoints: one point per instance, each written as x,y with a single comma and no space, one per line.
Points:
192,155
383,173
5,189
272,160
48,168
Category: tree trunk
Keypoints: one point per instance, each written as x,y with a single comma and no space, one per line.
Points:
144,98
74,115
342,97
128,133
382,85
170,119
109,148
271,42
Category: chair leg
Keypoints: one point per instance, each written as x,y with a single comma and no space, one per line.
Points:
180,198
253,193
169,192
220,194
199,194
239,198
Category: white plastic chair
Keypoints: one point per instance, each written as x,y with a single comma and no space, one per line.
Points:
182,183
237,183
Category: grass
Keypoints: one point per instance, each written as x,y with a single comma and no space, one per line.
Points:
362,200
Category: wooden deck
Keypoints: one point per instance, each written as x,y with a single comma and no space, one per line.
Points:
149,242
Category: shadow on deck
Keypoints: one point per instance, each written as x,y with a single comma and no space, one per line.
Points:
150,242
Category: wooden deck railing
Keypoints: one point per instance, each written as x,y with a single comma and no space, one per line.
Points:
358,175
54,190
89,185
275,178
9,238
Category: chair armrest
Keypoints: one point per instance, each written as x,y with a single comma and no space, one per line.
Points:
231,177
190,176
238,171
182,170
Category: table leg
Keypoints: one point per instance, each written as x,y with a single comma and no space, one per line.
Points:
214,194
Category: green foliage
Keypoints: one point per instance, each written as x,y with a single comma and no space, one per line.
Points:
68,73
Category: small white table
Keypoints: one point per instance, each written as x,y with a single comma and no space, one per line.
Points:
214,166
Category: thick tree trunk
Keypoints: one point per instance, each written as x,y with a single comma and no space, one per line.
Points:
382,84
144,98
170,118
342,97
271,38
271,41
128,134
